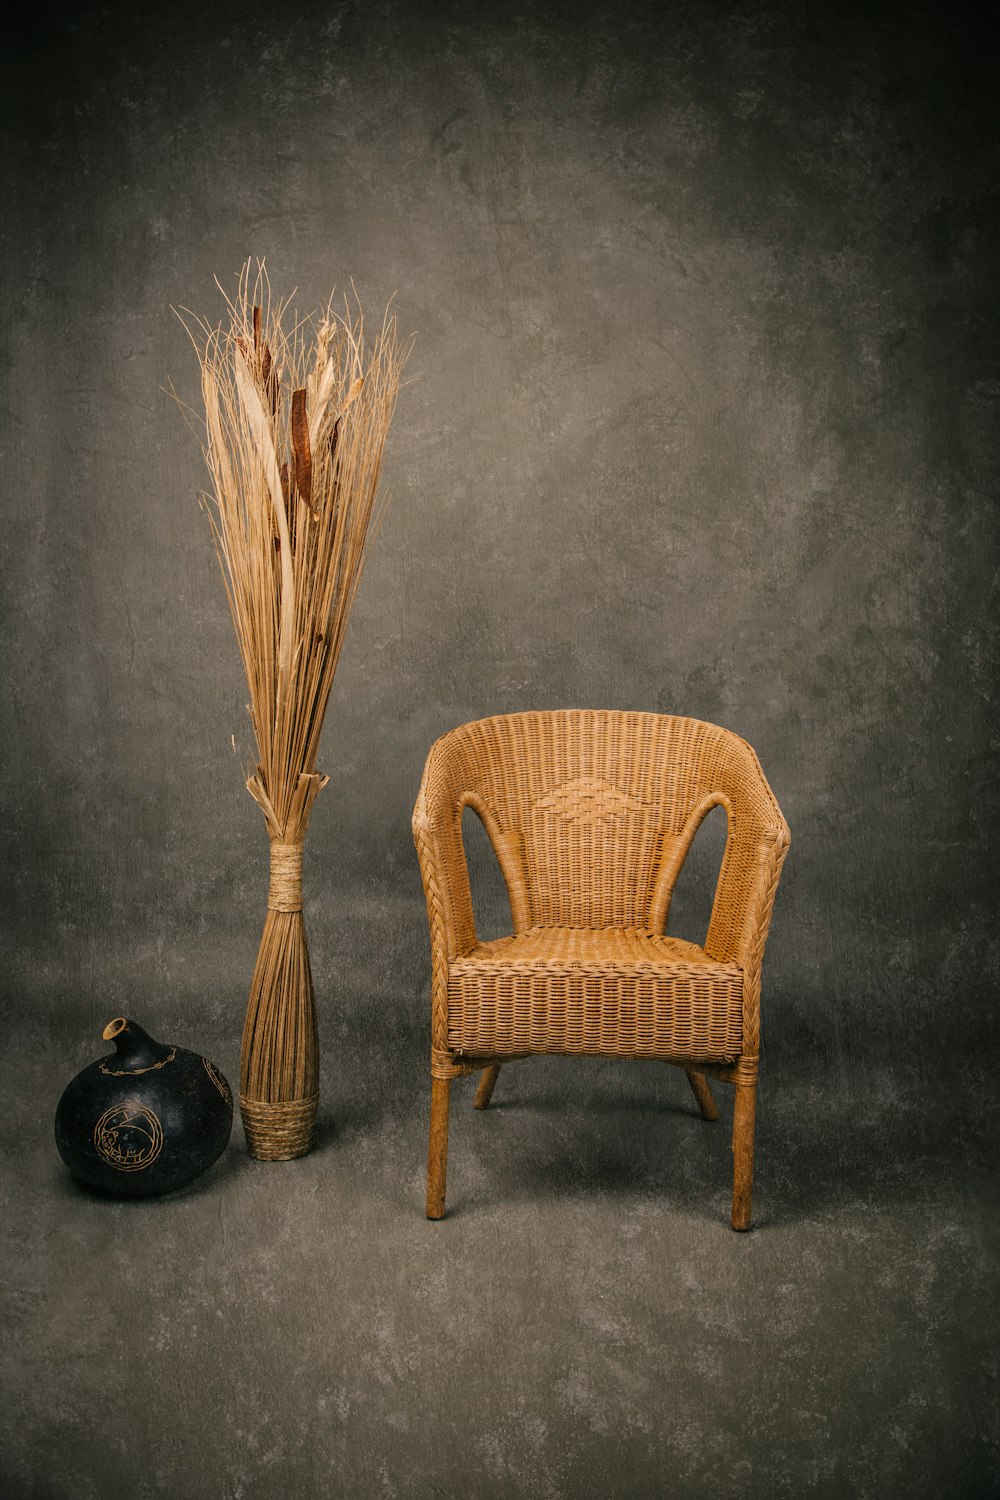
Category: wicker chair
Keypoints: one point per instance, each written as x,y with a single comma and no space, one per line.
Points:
591,815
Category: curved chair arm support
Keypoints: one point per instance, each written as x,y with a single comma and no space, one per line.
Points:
663,893
437,835
771,852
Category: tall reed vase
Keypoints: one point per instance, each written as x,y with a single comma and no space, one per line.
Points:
296,416
279,1060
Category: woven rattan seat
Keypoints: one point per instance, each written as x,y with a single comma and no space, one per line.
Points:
553,989
591,815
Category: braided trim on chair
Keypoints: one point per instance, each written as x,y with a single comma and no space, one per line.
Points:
773,852
443,1065
451,1065
438,932
743,1070
438,840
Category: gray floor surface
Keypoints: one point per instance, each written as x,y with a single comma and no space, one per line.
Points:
583,1323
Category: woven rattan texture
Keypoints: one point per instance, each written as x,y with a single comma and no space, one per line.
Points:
591,815
622,991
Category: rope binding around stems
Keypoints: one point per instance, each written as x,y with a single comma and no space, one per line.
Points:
279,1132
285,890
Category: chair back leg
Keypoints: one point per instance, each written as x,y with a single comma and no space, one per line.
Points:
437,1150
701,1091
744,1119
487,1083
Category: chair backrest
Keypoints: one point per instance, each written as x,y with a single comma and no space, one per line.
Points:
591,813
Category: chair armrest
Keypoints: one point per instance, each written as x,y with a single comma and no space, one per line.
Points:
747,938
437,834
771,850
445,878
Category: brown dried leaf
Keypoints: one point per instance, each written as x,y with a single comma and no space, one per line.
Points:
300,446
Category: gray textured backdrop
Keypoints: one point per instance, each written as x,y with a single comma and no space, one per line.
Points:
701,418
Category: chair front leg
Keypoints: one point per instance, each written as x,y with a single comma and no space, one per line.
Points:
437,1150
744,1119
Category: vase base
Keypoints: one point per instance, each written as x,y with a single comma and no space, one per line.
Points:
278,1132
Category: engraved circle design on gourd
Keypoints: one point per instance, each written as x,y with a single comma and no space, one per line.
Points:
129,1137
132,1072
217,1079
589,799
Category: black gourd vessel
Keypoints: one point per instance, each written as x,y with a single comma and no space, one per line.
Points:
144,1120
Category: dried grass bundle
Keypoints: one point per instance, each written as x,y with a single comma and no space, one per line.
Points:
296,418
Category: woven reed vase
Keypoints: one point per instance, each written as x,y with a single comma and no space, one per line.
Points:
296,418
279,1061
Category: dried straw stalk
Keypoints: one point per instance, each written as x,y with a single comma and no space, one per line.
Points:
296,418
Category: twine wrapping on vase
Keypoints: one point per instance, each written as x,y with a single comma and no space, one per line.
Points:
279,1132
285,890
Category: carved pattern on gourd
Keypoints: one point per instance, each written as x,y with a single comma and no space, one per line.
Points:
129,1137
218,1080
133,1072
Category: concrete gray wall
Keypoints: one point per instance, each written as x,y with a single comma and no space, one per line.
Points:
701,418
